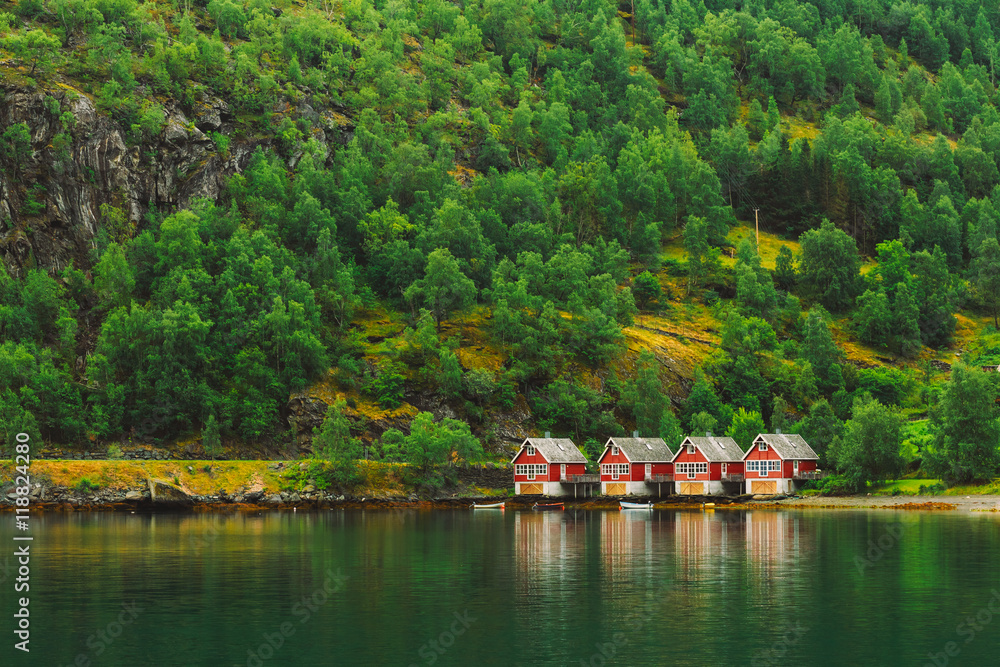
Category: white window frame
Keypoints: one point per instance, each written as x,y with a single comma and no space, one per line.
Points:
529,450
761,446
690,449
614,469
614,450
692,470
530,469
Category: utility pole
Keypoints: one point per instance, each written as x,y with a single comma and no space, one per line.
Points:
756,224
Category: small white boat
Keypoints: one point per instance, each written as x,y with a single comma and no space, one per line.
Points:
635,506
491,506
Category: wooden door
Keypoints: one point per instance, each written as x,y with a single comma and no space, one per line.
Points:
764,486
530,489
692,488
616,489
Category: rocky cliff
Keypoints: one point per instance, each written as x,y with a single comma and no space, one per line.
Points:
64,184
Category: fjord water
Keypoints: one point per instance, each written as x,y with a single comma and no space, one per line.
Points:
510,588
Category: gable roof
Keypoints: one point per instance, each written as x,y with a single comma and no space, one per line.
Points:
714,448
785,445
555,450
641,450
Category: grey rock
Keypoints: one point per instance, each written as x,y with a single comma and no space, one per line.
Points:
165,493
175,133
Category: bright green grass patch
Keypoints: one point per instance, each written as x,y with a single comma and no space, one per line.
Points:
991,489
906,487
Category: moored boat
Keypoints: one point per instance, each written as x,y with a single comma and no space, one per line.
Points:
489,506
635,506
547,506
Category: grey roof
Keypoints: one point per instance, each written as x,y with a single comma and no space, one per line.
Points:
714,448
555,450
787,445
642,450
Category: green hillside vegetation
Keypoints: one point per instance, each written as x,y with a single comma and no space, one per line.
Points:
526,215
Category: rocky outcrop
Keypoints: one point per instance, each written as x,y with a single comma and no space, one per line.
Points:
99,165
488,476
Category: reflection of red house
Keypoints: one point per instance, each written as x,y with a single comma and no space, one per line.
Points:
549,466
635,466
701,465
779,463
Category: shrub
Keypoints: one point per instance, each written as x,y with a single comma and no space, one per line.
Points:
221,143
34,202
387,385
86,486
836,485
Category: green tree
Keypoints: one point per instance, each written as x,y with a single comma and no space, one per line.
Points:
332,442
985,272
444,288
451,374
113,279
701,399
702,423
831,267
965,427
784,269
670,430
388,385
703,259
645,397
869,449
755,295
819,350
15,146
779,415
745,427
35,48
431,448
873,318
646,289
821,428
211,440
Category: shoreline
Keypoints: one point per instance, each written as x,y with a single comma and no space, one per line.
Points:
196,504
257,485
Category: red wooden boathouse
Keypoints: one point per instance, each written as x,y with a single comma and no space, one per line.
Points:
551,467
779,463
635,466
703,464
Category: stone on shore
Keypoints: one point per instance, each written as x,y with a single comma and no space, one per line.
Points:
164,493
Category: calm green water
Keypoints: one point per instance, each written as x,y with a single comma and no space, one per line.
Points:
513,588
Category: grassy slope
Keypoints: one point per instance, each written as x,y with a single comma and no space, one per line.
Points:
206,477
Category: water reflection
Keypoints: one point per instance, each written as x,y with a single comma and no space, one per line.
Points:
545,587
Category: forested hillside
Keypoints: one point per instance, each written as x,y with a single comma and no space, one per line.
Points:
515,215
